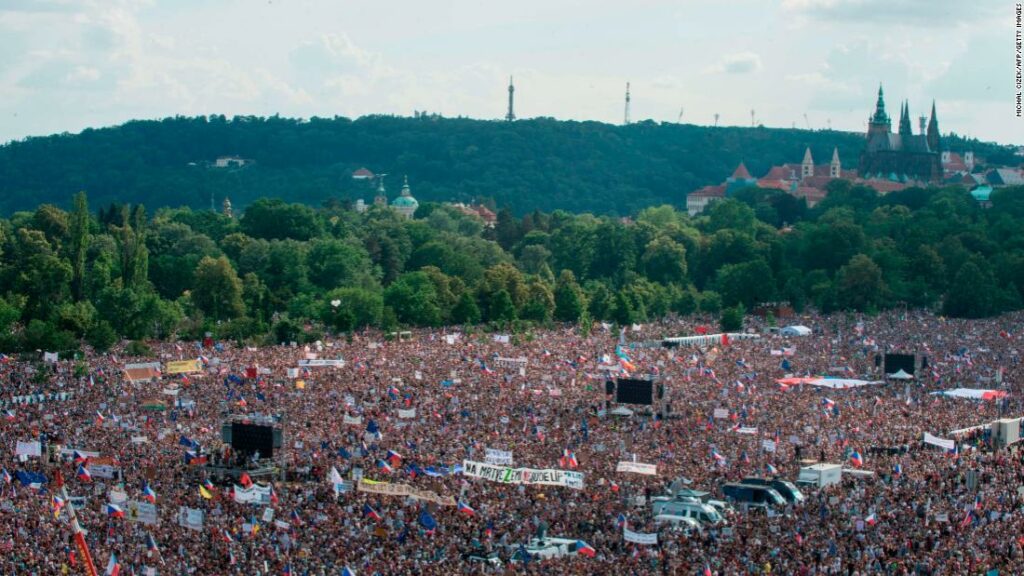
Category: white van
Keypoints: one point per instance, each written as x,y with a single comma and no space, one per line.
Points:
705,514
683,524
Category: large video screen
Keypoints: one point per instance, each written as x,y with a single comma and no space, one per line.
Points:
631,391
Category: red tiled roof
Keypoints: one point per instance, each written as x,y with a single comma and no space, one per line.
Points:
779,173
362,172
741,172
884,186
708,192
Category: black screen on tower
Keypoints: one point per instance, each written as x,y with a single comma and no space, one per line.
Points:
630,391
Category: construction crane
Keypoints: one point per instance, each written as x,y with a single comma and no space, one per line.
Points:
679,120
806,121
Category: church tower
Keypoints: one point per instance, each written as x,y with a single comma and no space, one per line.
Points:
879,123
807,166
381,199
835,169
933,131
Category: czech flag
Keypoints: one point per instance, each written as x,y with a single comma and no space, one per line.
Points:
151,544
369,512
466,509
99,418
393,457
114,511
10,415
296,519
828,403
897,470
245,480
871,520
58,504
856,459
771,469
384,466
568,459
273,496
717,456
5,476
79,457
584,549
113,567
621,520
83,474
346,571
148,494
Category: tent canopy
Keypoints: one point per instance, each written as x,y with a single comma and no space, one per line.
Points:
901,375
621,411
795,330
824,382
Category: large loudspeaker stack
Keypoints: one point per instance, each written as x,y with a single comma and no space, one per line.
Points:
634,391
248,439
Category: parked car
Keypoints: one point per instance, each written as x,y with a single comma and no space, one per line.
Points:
753,496
787,489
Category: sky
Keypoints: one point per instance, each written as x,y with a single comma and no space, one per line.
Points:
74,64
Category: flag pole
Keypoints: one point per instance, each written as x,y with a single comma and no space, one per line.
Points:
80,543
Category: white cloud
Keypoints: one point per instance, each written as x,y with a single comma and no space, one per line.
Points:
739,63
926,13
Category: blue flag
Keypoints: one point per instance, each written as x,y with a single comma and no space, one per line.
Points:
427,521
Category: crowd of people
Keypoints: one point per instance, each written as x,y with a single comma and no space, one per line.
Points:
541,396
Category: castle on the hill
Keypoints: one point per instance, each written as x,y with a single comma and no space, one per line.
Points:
903,154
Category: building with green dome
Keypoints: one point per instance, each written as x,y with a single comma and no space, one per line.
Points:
405,204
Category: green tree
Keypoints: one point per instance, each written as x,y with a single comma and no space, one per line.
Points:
748,283
413,298
664,260
217,290
78,246
973,292
273,219
731,319
859,284
466,311
570,302
352,308
540,302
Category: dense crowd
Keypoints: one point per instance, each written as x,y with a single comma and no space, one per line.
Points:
931,512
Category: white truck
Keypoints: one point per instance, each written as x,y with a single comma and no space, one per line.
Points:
820,475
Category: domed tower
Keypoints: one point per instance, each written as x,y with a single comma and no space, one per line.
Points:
227,207
405,204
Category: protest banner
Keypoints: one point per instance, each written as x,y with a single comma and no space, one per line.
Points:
323,362
505,475
255,494
142,512
30,448
940,442
721,413
498,457
390,489
768,445
639,537
184,367
410,413
191,518
351,420
637,468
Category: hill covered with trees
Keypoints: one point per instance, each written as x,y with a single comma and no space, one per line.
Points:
286,271
525,165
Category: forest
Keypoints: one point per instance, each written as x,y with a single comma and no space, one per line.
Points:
286,271
539,164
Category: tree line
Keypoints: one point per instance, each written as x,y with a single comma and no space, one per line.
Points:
531,164
287,272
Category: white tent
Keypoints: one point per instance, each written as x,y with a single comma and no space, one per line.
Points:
901,375
621,411
795,330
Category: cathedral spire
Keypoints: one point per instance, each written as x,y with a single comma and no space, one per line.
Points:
933,131
880,116
835,168
905,128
